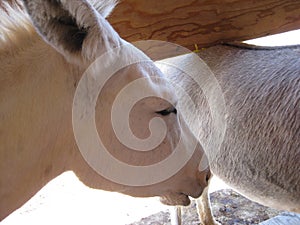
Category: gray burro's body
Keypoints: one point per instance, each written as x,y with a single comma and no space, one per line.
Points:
260,153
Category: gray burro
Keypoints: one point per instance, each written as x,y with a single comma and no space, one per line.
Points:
260,153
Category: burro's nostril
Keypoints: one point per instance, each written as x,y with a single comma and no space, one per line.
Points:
204,177
208,176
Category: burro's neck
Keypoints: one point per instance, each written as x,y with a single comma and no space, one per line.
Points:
36,137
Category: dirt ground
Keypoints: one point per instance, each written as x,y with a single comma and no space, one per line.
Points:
65,200
229,208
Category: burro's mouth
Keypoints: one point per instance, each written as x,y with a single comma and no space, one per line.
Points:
175,199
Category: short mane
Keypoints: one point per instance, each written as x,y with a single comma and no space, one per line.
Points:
15,24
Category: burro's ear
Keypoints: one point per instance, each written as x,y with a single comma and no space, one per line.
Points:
104,7
74,27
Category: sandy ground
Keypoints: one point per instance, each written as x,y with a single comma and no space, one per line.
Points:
65,200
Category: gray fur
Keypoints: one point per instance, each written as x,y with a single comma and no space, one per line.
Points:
104,7
74,28
260,155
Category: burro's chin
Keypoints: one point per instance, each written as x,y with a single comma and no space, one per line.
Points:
175,199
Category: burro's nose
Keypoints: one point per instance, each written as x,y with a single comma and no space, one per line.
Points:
203,173
204,176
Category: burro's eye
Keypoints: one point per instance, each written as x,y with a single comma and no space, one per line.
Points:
167,111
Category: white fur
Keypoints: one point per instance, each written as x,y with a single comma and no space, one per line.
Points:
40,72
104,7
14,20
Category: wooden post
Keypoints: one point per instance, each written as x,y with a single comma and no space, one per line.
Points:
203,22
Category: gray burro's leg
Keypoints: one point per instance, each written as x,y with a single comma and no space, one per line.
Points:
204,209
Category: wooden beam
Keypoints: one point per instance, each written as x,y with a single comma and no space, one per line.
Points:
203,22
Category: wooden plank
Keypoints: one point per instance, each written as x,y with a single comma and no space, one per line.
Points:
203,22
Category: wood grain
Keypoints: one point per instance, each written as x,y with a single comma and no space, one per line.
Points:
203,22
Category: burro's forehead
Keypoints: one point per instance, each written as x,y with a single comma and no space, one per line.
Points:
149,81
163,88
141,79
